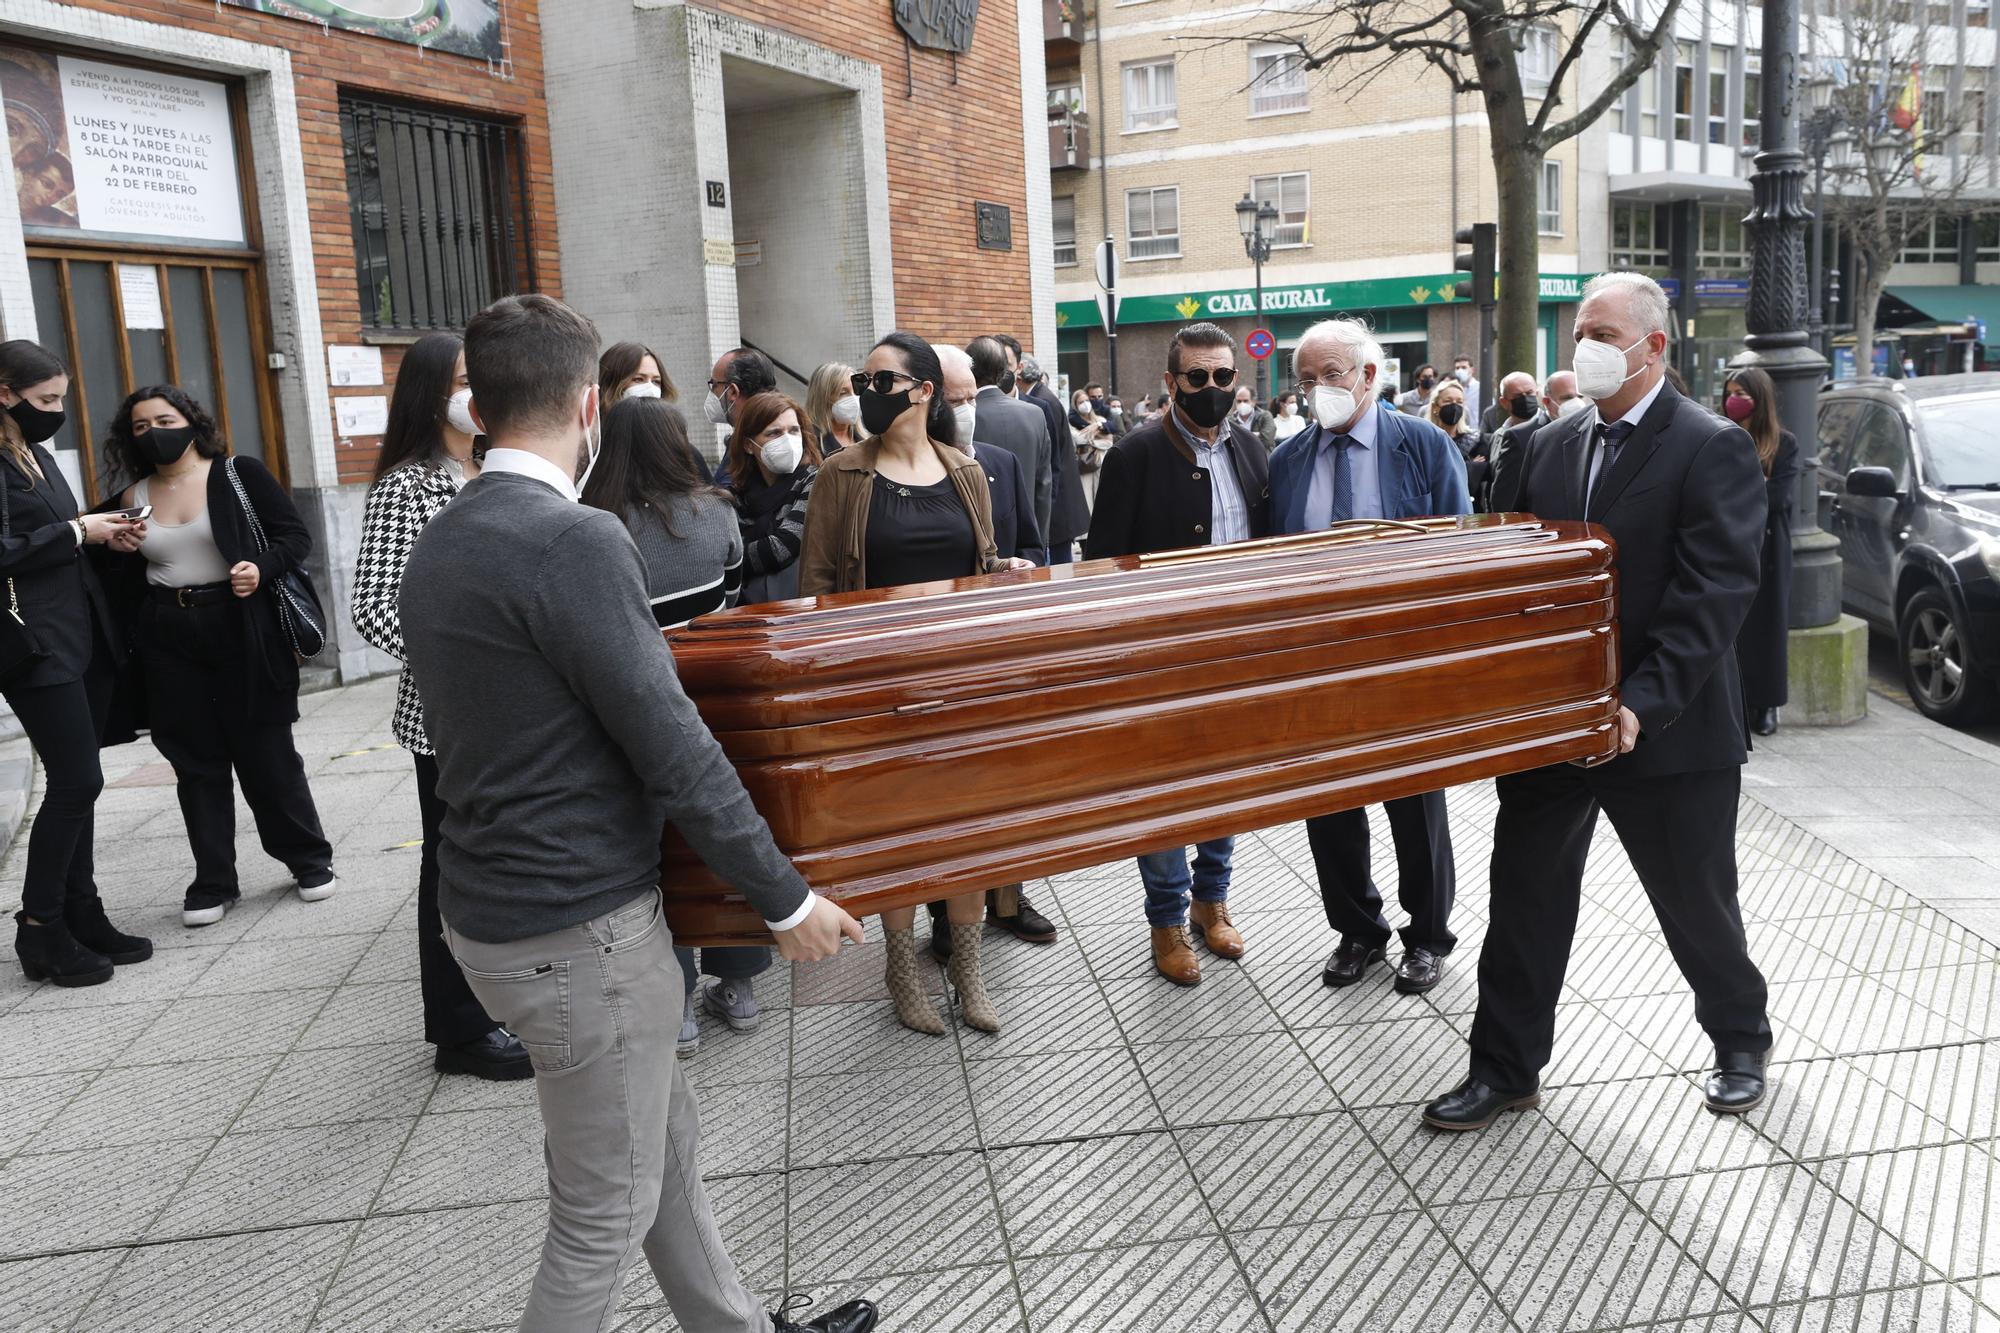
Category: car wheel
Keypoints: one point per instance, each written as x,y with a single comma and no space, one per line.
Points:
1938,669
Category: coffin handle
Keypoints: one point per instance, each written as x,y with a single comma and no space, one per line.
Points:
1396,523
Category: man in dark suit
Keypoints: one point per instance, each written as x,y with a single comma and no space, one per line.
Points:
1680,490
1069,511
1516,417
1191,478
1017,427
1363,459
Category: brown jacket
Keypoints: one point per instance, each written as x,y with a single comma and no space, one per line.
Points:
836,540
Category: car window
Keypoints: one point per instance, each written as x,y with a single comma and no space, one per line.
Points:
1880,441
1836,435
1961,447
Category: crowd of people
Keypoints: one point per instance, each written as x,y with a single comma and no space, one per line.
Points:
541,513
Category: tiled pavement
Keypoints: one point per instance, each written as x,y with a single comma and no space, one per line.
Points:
245,1134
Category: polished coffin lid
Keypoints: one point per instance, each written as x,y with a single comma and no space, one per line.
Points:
909,743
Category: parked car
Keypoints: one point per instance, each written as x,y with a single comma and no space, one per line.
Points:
1913,466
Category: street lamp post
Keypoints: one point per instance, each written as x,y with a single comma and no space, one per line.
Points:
1259,224
1828,650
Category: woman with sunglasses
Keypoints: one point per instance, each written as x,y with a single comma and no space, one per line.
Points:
907,506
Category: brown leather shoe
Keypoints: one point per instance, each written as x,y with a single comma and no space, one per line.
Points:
1173,954
1210,921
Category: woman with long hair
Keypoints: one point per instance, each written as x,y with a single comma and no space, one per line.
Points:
222,677
771,466
686,531
832,409
426,457
1448,412
908,506
633,370
1750,399
57,665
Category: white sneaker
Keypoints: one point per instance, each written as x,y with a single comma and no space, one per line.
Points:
318,891
690,1041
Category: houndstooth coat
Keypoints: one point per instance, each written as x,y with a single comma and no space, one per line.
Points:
399,505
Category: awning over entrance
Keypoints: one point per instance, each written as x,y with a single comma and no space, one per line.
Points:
1978,307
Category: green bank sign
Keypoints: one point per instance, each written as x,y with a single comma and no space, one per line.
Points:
1325,298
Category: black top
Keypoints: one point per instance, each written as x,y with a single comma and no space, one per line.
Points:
918,534
60,596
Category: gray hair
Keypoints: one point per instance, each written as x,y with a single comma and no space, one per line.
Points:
1518,377
1031,369
1351,335
1643,298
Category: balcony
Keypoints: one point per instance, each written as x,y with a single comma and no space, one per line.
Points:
1062,30
1069,140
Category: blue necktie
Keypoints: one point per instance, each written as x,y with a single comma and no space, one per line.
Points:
1343,479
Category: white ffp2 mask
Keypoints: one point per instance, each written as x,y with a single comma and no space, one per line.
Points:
643,389
1600,367
783,454
963,416
458,412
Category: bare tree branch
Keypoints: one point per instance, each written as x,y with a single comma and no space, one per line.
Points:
1638,61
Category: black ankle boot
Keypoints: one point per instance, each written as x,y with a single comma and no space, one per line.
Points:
48,952
94,931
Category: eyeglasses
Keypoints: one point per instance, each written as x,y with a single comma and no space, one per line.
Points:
882,381
1306,386
1224,376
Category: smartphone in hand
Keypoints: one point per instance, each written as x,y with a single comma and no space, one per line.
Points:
135,515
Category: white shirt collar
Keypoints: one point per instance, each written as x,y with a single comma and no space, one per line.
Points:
531,465
1638,409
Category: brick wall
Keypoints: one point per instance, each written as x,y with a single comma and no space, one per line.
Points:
326,61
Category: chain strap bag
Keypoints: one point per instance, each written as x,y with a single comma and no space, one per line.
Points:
298,605
21,645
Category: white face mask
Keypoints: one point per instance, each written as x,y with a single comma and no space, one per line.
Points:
1462,375
782,455
716,410
1600,367
1571,406
1246,410
458,411
1289,410
1333,405
847,411
593,442
963,416
643,389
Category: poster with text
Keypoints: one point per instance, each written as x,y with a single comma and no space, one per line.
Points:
117,150
463,27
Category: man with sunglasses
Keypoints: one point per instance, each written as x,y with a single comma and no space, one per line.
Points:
1363,459
1190,477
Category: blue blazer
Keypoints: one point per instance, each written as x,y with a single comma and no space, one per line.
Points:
1013,503
1421,471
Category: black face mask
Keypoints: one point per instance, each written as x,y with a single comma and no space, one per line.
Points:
1425,383
879,411
1450,413
1206,408
1006,384
1523,405
164,444
36,425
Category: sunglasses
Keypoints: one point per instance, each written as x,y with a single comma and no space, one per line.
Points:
882,381
1224,376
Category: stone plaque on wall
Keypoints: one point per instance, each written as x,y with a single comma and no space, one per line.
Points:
996,225
940,25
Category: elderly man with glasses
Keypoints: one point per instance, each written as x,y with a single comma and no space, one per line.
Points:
1362,459
1190,477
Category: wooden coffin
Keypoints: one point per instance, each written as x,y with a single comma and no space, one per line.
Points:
910,743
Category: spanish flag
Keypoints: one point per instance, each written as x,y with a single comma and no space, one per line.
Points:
1910,102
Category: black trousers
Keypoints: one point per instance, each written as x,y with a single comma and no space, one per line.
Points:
1426,876
1679,831
452,1014
64,723
194,694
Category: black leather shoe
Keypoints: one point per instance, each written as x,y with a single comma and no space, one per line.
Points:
853,1317
1349,961
498,1057
48,952
94,931
1765,723
1418,972
1473,1105
1026,925
1736,1084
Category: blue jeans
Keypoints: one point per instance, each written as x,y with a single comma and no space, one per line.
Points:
1168,880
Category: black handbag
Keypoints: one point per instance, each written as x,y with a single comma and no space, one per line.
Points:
298,605
21,645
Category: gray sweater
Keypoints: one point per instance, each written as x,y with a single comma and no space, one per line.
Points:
697,571
564,741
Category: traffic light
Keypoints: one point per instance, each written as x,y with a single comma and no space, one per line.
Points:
1478,261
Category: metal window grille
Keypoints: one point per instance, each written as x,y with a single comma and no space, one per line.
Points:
439,208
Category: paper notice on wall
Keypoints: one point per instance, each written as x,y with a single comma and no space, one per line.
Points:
139,293
361,416
714,251
120,150
354,366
